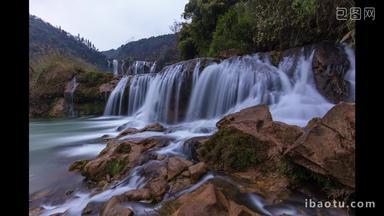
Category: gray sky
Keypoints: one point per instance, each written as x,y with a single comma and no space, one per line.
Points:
110,23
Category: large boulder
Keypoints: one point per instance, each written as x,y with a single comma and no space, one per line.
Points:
177,165
116,159
330,64
206,200
114,207
328,145
247,138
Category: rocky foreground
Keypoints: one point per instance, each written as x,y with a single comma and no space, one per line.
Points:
260,155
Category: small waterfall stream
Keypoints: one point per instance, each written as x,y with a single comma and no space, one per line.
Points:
69,91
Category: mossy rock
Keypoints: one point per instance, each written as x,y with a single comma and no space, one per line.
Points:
115,167
231,149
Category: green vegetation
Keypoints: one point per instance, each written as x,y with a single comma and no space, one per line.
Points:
48,76
115,167
238,27
43,38
162,49
232,149
300,176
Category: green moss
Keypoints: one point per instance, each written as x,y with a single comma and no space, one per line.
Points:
229,148
115,167
123,148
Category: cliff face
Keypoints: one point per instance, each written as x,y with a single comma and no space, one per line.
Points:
51,93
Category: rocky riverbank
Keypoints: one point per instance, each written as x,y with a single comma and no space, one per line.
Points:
253,153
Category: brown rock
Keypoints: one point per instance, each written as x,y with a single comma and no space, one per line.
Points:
154,127
157,187
179,184
330,64
127,131
78,165
235,209
202,202
117,158
328,145
136,195
197,170
36,211
257,121
177,165
58,108
114,208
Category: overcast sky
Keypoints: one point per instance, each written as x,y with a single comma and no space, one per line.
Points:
110,23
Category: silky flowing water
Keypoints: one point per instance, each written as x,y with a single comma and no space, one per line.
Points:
217,90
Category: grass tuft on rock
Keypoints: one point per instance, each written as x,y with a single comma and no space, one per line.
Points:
114,167
230,148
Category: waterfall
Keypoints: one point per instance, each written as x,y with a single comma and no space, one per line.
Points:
115,67
162,99
184,92
69,91
114,103
138,88
153,68
141,67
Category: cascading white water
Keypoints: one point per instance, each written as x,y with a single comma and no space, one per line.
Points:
138,88
114,103
153,68
141,67
163,88
223,86
230,86
115,67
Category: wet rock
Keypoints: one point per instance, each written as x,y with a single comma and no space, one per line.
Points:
116,159
207,200
36,211
92,209
114,207
235,209
192,144
201,202
157,187
78,165
177,165
127,132
136,195
247,138
179,184
197,170
156,127
330,64
328,145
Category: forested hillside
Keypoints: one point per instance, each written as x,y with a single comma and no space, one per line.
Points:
162,49
230,27
45,38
